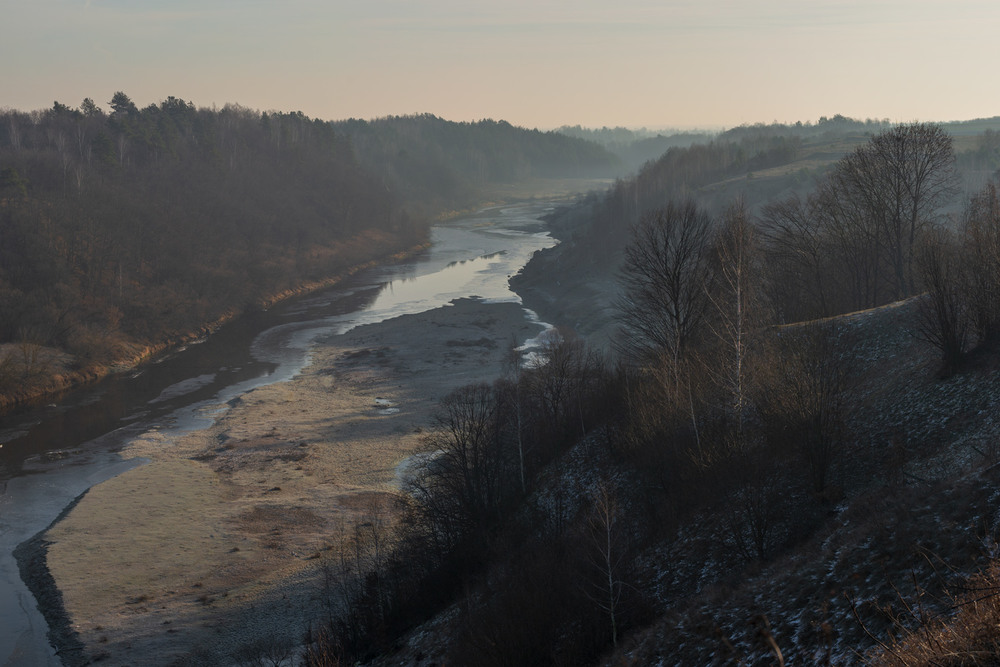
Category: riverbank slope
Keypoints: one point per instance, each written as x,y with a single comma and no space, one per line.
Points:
31,372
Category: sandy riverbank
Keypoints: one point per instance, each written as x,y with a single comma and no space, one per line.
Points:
222,537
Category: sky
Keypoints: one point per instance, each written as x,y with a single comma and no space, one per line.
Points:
705,64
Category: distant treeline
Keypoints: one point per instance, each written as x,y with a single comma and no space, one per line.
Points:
636,147
418,155
129,227
680,172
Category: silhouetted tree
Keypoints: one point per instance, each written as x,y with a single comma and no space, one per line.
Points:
980,263
666,277
798,257
607,555
808,399
122,104
943,313
473,471
666,280
738,319
885,193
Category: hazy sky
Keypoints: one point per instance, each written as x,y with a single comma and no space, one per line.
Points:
536,63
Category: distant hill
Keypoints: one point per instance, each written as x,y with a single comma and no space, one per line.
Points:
444,163
636,147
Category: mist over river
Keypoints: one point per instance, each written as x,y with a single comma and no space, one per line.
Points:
51,454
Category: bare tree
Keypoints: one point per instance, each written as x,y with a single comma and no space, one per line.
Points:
606,555
371,542
559,379
266,651
981,262
122,145
737,317
943,314
813,380
895,185
664,278
472,474
513,365
14,131
853,239
798,256
754,508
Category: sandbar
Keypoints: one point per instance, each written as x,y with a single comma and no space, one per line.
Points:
223,537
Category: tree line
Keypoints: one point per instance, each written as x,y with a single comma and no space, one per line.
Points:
636,147
960,269
458,161
852,242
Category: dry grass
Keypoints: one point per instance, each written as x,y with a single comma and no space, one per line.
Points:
971,636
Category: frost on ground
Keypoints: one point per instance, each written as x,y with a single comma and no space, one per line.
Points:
920,478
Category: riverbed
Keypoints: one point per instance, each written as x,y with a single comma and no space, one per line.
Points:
219,478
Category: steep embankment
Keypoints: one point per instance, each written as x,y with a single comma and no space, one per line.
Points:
916,482
919,481
743,558
32,372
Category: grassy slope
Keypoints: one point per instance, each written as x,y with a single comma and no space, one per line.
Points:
906,536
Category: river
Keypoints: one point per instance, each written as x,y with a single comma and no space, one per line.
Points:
51,454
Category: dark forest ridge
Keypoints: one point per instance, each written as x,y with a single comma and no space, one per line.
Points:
121,232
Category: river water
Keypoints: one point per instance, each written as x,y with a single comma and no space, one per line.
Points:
51,454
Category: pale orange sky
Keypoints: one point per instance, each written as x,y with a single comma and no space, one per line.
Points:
675,63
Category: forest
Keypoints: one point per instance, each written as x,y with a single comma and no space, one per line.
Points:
127,230
786,453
